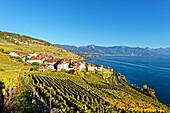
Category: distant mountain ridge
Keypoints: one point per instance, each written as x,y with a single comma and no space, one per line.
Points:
96,51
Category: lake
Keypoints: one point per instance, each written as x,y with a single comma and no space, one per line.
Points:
140,70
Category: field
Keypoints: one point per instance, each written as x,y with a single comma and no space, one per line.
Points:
49,50
15,42
72,93
10,70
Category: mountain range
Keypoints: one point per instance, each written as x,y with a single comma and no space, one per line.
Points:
96,51
102,90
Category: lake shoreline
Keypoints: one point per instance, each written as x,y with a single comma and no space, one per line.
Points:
143,70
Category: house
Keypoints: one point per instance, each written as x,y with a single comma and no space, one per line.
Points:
22,54
50,60
100,67
18,54
81,66
13,54
91,67
62,64
31,55
74,65
39,59
77,65
46,67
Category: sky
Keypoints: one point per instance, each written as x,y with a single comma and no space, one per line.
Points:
142,23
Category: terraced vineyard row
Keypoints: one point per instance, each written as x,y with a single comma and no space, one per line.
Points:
69,96
128,98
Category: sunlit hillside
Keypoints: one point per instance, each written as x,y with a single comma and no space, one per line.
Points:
91,92
10,70
15,42
73,91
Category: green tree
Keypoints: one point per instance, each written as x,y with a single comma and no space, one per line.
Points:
145,87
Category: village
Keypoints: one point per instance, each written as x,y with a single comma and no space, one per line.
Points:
48,62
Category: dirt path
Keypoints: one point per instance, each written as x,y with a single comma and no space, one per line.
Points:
36,98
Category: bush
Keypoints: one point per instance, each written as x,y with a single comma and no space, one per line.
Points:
34,68
2,70
1,50
35,64
6,52
145,87
71,71
20,60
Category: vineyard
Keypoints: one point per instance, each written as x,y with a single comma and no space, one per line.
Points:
10,71
74,94
68,96
99,91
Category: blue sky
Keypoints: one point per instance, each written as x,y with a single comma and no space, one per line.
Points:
143,23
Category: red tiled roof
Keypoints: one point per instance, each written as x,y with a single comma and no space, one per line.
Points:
89,64
66,60
51,59
22,54
33,58
39,57
75,63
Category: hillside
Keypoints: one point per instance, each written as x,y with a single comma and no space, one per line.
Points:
70,92
95,51
90,90
12,69
20,43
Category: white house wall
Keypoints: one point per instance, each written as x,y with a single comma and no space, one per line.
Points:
13,54
32,61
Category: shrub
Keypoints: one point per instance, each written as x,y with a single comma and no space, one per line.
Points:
6,52
34,68
2,70
1,50
20,60
145,87
35,64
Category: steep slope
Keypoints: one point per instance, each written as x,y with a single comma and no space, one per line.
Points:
70,91
92,93
12,95
15,42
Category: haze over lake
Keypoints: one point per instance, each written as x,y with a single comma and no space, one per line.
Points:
153,71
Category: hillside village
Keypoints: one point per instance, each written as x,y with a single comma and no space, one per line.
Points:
56,64
73,84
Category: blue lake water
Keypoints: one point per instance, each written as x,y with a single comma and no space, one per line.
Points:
139,70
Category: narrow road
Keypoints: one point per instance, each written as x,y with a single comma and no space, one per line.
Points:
117,79
41,105
14,70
